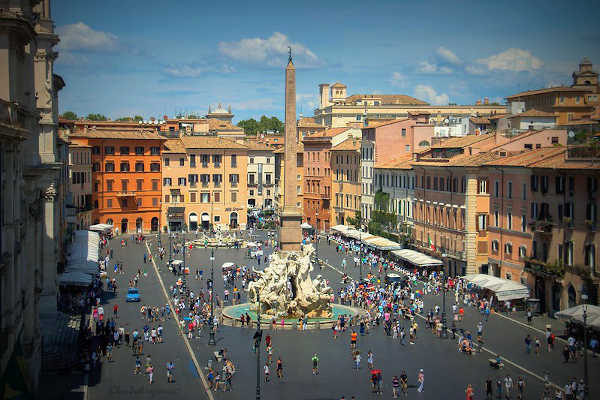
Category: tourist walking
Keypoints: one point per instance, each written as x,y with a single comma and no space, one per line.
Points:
421,381
315,364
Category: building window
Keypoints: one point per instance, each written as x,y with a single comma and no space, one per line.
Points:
508,248
192,161
217,218
139,184
139,167
139,202
509,194
181,181
522,251
496,189
109,185
167,198
155,150
524,192
95,167
233,197
124,183
481,222
590,256
124,150
154,202
154,184
523,223
167,161
534,183
155,167
251,192
192,197
108,203
251,160
96,150
509,221
181,162
124,167
109,167
496,218
109,150
407,148
403,131
495,246
167,182
216,197
139,150
233,161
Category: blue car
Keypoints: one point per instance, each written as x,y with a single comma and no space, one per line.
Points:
133,295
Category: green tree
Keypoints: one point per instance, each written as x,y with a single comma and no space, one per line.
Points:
193,116
382,219
138,118
96,117
70,115
355,222
250,126
124,119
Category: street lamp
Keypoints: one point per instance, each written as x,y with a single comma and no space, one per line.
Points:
170,247
211,337
444,327
258,338
360,247
317,238
183,270
586,392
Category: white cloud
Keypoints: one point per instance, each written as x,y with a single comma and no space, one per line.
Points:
429,94
80,36
71,59
448,56
271,51
475,69
195,70
398,80
426,67
256,104
516,60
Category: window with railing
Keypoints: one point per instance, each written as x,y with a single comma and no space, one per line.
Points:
124,167
139,167
217,160
139,150
155,167
217,179
155,150
109,167
204,159
205,179
234,179
192,161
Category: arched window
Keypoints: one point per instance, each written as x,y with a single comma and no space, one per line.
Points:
495,246
424,143
572,296
508,248
522,251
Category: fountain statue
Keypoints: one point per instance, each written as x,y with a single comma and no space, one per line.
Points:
287,290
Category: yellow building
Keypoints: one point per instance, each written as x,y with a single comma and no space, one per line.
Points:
345,172
204,184
337,109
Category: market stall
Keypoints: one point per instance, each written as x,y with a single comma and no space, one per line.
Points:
417,259
575,314
381,243
504,289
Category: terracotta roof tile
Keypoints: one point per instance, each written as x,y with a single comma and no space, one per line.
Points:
558,89
308,122
348,144
384,123
174,146
387,99
327,133
116,134
463,141
210,142
479,120
402,162
550,158
475,160
533,113
218,125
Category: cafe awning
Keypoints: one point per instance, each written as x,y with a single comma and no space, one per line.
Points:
416,258
503,288
382,243
74,279
358,235
576,314
340,228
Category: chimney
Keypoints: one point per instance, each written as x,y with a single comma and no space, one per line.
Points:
486,100
324,93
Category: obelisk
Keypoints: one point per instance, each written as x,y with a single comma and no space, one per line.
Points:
290,232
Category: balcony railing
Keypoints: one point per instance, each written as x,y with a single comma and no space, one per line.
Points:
233,184
126,193
12,114
193,184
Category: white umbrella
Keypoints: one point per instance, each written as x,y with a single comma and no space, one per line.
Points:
176,262
576,314
227,265
306,226
251,244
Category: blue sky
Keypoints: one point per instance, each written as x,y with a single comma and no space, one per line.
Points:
157,57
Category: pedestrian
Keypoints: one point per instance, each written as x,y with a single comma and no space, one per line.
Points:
538,346
508,384
315,364
395,386
529,316
170,367
421,381
150,372
469,392
357,359
404,384
488,389
528,344
266,369
353,338
370,359
279,368
520,387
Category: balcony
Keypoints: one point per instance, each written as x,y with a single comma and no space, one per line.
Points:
217,184
253,183
217,165
233,184
542,227
126,193
205,184
12,114
204,165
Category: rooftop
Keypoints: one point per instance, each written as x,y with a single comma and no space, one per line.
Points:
533,113
351,144
387,99
552,158
384,123
559,89
308,122
462,160
480,120
402,162
331,132
210,142
459,142
173,146
134,134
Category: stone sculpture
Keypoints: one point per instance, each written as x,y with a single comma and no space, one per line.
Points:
287,290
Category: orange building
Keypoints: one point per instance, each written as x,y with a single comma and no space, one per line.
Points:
345,169
126,177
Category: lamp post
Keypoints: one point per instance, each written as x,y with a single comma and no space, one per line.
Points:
211,337
586,391
258,336
360,248
170,247
317,238
183,270
444,327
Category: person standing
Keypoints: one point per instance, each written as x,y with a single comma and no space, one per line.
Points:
315,364
421,381
279,368
508,384
469,392
370,359
266,369
488,389
395,386
520,387
353,338
170,367
528,344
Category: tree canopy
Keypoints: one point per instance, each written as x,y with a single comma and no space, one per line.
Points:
96,117
136,118
252,126
70,115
